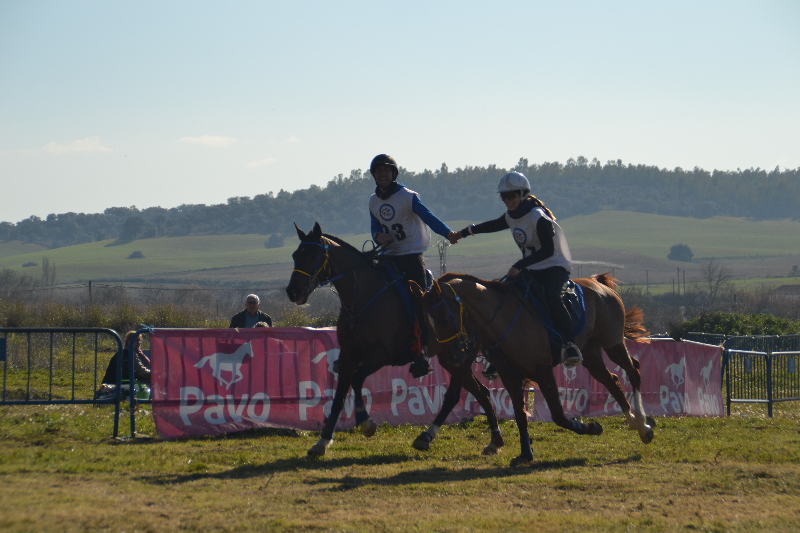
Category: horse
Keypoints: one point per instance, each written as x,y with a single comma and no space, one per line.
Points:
373,331
492,316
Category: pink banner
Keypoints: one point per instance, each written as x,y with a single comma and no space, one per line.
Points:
210,381
678,379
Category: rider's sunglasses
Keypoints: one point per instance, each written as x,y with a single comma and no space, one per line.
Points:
509,195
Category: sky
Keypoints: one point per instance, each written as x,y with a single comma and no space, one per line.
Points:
151,103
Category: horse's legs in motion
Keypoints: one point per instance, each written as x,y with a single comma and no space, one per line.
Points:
342,388
514,387
593,361
543,376
363,421
462,376
638,419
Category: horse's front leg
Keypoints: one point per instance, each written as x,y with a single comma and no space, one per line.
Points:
514,387
451,397
326,435
484,399
363,421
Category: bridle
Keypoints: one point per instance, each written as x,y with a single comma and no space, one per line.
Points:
464,342
323,264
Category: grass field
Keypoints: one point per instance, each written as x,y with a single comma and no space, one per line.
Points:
60,471
618,233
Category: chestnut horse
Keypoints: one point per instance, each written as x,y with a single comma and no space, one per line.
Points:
515,340
373,331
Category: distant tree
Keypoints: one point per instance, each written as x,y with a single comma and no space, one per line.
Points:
136,255
30,264
714,274
100,236
680,252
48,272
275,241
794,270
132,229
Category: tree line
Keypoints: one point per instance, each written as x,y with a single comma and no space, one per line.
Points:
578,187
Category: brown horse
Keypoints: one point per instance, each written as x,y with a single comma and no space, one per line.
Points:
373,331
514,338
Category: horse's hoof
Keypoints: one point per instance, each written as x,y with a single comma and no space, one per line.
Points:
319,449
648,436
423,442
491,449
595,429
651,421
368,427
497,439
521,461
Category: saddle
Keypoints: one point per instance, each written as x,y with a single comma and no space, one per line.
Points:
529,289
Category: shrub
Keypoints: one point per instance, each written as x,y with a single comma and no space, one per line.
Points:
275,241
136,255
735,324
30,264
680,252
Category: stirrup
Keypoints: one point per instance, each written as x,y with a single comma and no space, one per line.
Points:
570,355
490,372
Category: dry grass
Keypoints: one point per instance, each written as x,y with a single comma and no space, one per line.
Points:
60,472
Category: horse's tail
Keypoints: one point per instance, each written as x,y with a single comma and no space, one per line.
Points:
607,279
634,329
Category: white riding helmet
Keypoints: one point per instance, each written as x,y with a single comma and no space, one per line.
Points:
514,181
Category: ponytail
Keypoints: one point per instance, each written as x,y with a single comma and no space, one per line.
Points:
539,203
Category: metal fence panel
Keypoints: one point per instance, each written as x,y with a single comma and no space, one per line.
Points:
49,366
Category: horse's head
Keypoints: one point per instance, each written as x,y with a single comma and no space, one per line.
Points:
310,265
448,318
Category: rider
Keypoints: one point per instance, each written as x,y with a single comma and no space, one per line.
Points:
400,221
545,254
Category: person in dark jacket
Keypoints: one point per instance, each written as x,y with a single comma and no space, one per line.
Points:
251,314
141,365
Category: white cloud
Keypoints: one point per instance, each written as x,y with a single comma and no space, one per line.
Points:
292,139
88,145
209,140
261,163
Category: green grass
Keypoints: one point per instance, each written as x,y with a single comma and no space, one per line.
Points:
650,235
60,471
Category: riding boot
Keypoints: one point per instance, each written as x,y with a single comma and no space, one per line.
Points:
420,366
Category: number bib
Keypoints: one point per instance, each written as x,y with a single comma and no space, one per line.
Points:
409,233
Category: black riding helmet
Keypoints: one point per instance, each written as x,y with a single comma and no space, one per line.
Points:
383,160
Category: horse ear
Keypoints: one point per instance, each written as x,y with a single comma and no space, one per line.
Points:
300,233
317,231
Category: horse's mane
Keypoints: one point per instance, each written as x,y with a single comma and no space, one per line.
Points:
365,256
492,284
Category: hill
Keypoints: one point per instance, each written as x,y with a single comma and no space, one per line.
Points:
632,245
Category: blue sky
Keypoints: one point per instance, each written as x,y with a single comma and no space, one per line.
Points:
166,103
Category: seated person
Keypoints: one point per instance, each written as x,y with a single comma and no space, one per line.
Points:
251,315
141,365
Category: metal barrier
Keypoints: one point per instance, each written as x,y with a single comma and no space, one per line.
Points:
761,377
59,366
756,343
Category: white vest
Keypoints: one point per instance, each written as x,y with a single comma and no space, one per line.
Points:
523,230
409,233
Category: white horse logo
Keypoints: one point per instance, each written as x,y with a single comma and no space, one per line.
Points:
676,371
705,373
332,358
570,373
227,362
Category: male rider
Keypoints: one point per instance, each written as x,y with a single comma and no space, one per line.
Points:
401,222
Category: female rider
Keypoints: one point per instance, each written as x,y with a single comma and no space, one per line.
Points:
545,254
